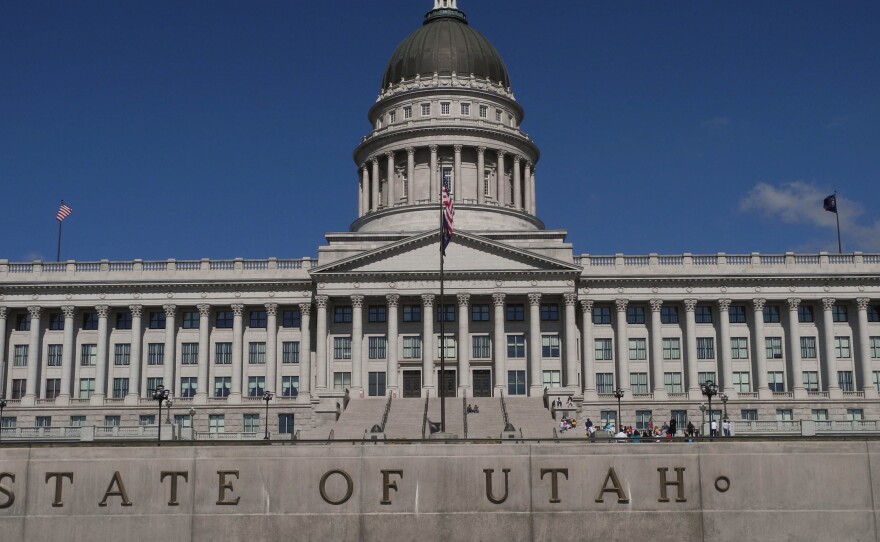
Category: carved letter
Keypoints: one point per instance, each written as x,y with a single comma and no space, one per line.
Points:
6,490
120,491
679,483
489,493
224,486
615,488
59,482
174,475
349,487
386,485
554,482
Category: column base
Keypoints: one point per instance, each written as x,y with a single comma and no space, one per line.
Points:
233,398
835,393
694,394
463,391
96,399
536,391
499,391
660,394
29,400
428,391
131,399
62,400
799,393
392,391
200,399
765,393
591,396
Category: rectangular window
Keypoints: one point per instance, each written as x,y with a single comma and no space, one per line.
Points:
23,323
484,111
190,320
877,380
603,350
376,313
602,315
771,314
223,353
808,347
737,314
289,386
341,380
342,315
8,422
838,313
256,353
773,347
672,348
147,419
784,415
251,423
412,313
481,347
552,378
479,313
607,417
739,348
155,354
549,312
450,313
56,321
855,414
257,319
55,355
875,347
426,110
705,348
19,388
121,354
156,320
222,386
189,385
154,383
377,347
638,383
806,314
189,353
643,419
216,423
376,384
291,318
43,421
53,387
635,315
285,424
123,320
604,383
224,319
256,386
497,115
111,421
407,112
681,419
703,314
550,346
845,379
672,381
88,354
516,382
341,347
444,108
702,378
749,414
811,380
668,315
183,420
742,382
466,110
290,352
516,346
776,381
86,387
20,355
874,313
392,116
449,342
90,320
842,348
819,414
638,349
412,347
515,312
120,388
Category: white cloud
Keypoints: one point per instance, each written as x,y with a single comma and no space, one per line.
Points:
716,122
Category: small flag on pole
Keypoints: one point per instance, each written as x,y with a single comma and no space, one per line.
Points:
63,212
830,204
448,216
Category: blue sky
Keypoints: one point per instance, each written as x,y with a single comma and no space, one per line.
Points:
225,129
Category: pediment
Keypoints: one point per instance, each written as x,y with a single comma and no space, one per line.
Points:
467,254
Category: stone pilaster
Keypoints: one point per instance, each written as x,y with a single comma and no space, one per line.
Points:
374,185
321,343
622,337
481,175
204,360
410,175
536,376
435,176
499,345
658,385
101,366
428,345
464,365
32,387
499,180
457,173
389,176
237,357
517,182
588,352
67,349
169,369
305,353
691,361
760,348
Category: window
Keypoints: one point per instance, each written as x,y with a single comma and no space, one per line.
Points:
702,378
484,111
635,315
23,323
497,115
222,386
775,381
703,314
549,312
341,347
481,347
86,387
54,352
672,348
601,315
450,313
154,383
223,319
426,110
466,110
412,313
189,353
285,424
808,347
771,314
669,315
486,181
681,419
341,380
216,423
855,414
182,420
819,414
88,354
111,421
638,349
773,347
603,350
449,342
672,381
444,108
291,318
189,386
412,347
90,320
838,313
742,382
643,419
806,314
8,422
256,386
407,112
705,348
256,353
604,383
43,421
156,320
155,354
875,347
342,315
479,313
845,379
550,346
53,387
19,388
122,354
392,116
811,380
841,347
749,414
123,320
638,383
516,312
56,321
376,384
516,346
290,352
223,353
552,379
739,348
874,313
289,386
607,416
377,347
20,355
120,388
257,319
516,382
877,380
147,419
376,313
737,314
251,423
190,320
783,415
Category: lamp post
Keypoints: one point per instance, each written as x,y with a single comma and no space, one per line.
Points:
724,399
267,397
619,394
160,394
168,404
709,389
2,406
703,416
192,423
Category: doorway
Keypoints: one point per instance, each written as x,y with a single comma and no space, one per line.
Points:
412,384
483,383
449,382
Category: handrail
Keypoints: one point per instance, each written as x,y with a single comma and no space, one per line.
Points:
385,415
504,410
425,418
464,414
345,399
330,437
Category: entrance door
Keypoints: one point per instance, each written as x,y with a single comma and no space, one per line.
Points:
483,383
412,383
450,383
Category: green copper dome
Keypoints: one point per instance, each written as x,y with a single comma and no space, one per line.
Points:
445,44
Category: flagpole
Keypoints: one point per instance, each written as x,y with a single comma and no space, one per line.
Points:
58,254
837,216
442,326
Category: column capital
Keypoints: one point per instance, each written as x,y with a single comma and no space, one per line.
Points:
863,302
428,300
2,313
501,153
136,310
69,311
170,310
463,299
587,305
724,304
517,159
374,160
305,309
828,303
759,303
103,311
389,154
457,148
34,311
204,309
529,164
271,309
498,299
621,304
481,149
357,301
534,299
393,299
237,309
690,305
570,299
656,305
410,151
365,168
321,301
793,303
433,148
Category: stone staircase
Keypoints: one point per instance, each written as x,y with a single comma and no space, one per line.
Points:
454,415
489,422
360,416
527,414
405,418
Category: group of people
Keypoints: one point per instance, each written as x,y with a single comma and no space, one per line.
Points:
473,409
567,423
569,403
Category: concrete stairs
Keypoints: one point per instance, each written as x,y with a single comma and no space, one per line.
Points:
321,432
405,418
454,415
489,422
360,416
529,415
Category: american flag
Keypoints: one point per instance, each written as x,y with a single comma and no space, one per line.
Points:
63,212
448,214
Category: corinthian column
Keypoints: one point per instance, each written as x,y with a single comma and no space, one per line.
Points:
101,367
393,302
571,379
168,370
693,383
865,368
427,345
464,365
481,175
517,183
499,180
760,348
364,202
305,353
657,351
587,349
272,372
410,175
527,178
32,387
357,336
3,369
457,172
321,343
794,350
435,183
534,210
374,186
536,380
237,339
622,345
499,349
830,359
67,348
392,197
204,360
723,350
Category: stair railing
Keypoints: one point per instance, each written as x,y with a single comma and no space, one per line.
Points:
464,414
385,415
425,418
504,410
